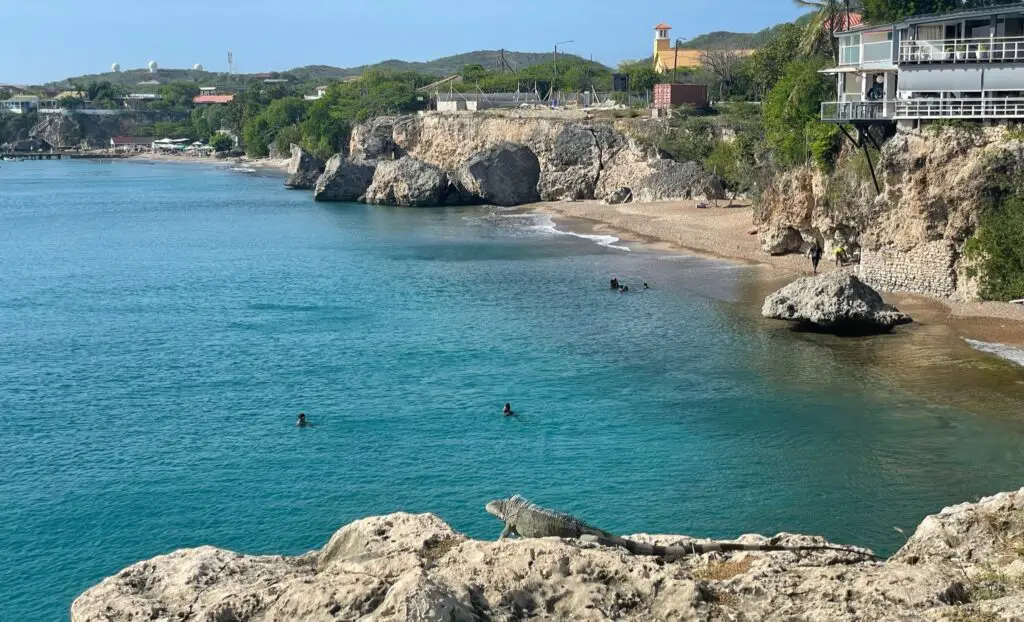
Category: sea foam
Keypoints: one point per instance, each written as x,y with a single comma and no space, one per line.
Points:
1010,353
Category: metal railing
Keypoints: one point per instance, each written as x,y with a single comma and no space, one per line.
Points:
968,108
858,111
870,52
978,50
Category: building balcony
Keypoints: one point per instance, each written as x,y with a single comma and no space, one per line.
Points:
867,53
984,50
968,108
850,111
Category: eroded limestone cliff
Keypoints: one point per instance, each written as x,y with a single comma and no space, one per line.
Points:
965,563
579,157
911,236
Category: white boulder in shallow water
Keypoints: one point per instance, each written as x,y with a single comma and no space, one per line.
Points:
836,302
960,564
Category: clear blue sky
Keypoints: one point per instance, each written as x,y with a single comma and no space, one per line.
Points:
74,37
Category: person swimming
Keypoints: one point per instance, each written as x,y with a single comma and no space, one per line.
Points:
645,286
507,411
301,422
615,283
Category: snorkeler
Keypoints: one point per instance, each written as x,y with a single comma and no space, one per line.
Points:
507,410
301,422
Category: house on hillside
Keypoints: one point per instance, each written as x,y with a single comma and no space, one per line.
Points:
668,57
320,92
20,104
961,65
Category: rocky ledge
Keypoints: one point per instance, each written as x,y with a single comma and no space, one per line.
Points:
837,302
965,563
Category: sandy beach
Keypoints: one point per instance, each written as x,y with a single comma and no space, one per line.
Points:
260,164
728,233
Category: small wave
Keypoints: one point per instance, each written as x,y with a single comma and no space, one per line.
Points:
547,224
1010,353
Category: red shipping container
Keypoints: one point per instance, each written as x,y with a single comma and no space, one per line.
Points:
668,95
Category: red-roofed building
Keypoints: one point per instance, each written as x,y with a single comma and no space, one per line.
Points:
206,100
844,21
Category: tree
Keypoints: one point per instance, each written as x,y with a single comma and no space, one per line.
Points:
728,72
792,104
642,76
881,11
221,142
768,63
828,18
177,94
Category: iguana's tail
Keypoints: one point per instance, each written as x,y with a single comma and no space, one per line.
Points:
699,548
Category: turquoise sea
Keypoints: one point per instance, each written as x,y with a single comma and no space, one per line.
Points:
161,325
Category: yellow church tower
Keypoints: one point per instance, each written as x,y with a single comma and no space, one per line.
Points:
662,45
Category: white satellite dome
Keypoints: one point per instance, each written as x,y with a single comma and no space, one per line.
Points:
152,65
115,68
197,67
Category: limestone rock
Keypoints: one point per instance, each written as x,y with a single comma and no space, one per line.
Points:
836,302
342,180
304,169
781,239
668,180
960,564
506,174
407,182
622,195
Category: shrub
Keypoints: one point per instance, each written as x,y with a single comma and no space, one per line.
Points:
997,251
221,142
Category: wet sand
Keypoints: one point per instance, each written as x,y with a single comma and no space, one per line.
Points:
727,233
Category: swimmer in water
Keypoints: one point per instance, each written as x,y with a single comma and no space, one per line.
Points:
508,409
301,422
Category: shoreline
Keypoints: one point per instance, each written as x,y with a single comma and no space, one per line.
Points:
723,233
260,164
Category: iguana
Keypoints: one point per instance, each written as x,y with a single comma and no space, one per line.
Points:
527,520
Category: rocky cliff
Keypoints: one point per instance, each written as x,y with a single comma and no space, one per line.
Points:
965,563
911,236
578,157
94,131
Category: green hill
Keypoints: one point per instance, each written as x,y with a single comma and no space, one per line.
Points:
725,40
132,79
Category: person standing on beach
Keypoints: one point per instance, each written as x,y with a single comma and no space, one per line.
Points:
814,252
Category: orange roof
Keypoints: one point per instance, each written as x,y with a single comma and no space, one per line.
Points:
663,26
213,99
855,19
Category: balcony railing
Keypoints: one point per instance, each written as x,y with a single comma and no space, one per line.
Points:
972,108
857,111
983,50
873,52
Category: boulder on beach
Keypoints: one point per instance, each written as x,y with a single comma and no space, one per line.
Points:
304,169
407,182
781,239
342,180
960,564
506,174
622,195
837,302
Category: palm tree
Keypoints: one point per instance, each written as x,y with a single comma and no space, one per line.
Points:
830,16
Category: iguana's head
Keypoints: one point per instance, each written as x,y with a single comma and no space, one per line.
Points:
496,508
502,509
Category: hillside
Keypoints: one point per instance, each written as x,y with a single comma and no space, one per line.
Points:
723,39
447,65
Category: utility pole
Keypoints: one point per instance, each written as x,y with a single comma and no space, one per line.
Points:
555,57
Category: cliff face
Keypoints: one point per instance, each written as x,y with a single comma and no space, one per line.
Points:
579,158
93,131
964,564
911,236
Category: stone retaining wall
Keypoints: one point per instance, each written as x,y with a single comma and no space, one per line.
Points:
926,269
